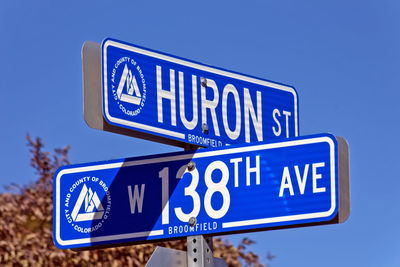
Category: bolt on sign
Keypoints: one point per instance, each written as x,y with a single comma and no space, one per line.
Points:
164,98
240,188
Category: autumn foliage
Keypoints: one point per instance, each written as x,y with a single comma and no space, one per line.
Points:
26,237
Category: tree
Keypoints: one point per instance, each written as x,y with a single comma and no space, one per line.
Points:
26,214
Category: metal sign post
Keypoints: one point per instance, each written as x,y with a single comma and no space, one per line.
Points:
195,256
200,251
199,248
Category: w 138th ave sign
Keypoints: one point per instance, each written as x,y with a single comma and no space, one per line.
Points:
299,181
164,98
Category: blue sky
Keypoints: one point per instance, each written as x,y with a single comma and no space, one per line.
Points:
343,57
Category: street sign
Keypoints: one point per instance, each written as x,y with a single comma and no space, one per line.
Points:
159,97
238,188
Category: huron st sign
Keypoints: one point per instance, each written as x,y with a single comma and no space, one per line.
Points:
160,97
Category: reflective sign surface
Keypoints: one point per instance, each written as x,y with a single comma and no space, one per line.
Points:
208,191
185,101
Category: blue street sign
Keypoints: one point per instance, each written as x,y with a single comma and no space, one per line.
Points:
185,102
223,190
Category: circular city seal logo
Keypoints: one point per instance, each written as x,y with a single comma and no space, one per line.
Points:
128,86
87,204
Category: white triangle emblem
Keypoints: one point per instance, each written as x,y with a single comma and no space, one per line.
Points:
132,94
92,203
